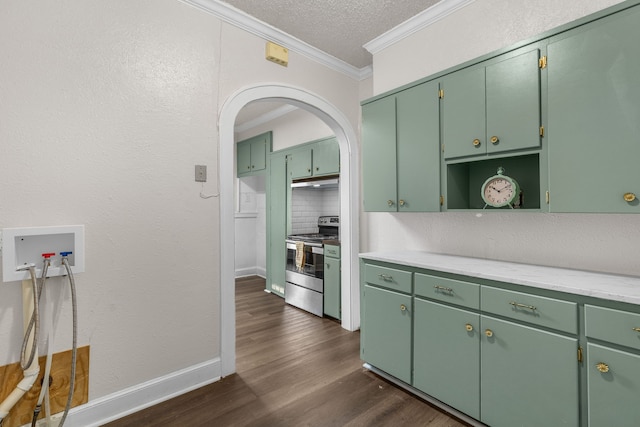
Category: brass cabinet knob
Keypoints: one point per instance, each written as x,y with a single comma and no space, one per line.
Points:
401,202
309,170
629,197
494,140
248,167
390,202
403,307
636,329
476,142
602,367
488,333
468,327
317,168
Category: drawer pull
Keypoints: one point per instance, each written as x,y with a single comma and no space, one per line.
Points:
386,277
518,305
636,329
403,307
602,367
488,333
442,288
629,197
476,142
390,202
468,327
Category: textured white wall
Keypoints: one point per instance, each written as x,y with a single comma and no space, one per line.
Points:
106,106
607,243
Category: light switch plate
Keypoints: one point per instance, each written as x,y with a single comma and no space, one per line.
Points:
201,173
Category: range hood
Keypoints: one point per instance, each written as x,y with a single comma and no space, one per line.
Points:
320,183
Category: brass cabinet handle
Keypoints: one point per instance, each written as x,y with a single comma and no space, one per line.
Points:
328,266
442,288
488,333
636,329
403,307
602,367
390,202
476,142
629,197
317,168
309,170
248,167
401,202
516,304
468,327
494,140
386,277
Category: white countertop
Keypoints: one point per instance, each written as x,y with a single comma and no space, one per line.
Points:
598,285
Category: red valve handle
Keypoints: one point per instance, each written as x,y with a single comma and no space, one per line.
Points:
48,255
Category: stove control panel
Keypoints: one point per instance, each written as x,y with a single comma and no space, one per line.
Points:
329,221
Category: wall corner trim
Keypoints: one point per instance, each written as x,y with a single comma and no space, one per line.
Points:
125,402
416,23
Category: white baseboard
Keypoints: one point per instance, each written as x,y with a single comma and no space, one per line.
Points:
125,402
251,271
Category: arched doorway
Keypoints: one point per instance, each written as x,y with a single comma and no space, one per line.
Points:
349,204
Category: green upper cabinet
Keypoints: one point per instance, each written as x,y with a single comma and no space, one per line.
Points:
494,107
317,159
594,117
251,154
400,158
299,164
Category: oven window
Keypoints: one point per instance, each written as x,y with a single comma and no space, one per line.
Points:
313,263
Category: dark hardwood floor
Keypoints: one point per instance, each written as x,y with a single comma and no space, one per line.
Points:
293,369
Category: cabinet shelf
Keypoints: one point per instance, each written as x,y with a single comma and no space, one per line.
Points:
464,181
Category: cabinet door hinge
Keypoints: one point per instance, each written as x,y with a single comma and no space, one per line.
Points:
441,200
441,93
547,197
579,354
542,62
542,131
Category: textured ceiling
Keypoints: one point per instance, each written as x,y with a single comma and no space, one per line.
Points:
337,27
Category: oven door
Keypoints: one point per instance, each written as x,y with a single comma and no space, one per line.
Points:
313,262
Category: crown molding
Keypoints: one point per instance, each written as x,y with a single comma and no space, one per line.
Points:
248,23
422,20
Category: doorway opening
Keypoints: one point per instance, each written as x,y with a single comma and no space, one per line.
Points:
349,203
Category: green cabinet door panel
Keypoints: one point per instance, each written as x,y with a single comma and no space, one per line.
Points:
614,395
594,117
243,152
259,155
513,103
386,331
463,112
529,376
300,164
276,223
332,287
326,157
447,355
418,149
379,155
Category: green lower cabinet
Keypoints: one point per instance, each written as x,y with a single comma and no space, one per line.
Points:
386,331
613,387
446,355
331,287
529,376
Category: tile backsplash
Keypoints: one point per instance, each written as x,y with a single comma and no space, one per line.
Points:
308,204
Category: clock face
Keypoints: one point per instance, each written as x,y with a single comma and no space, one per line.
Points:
499,192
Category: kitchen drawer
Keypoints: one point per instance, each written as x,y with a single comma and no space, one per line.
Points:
390,278
448,290
332,251
615,326
547,312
